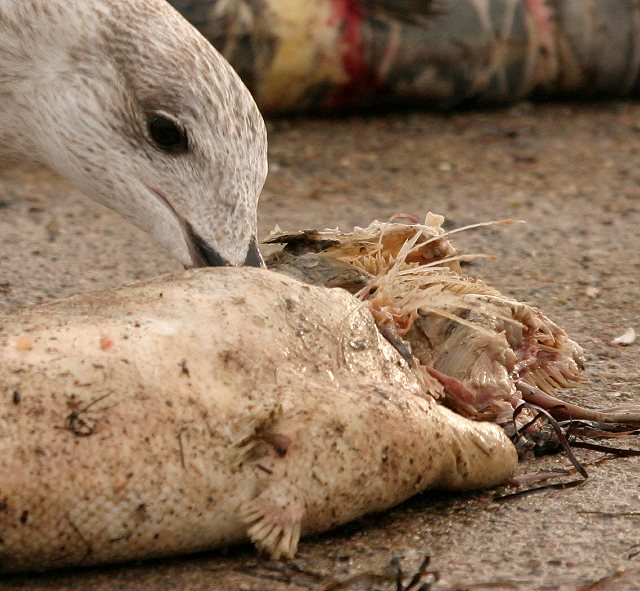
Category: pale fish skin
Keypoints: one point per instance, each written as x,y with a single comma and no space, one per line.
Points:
80,81
209,408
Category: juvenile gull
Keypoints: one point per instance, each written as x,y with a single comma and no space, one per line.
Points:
131,104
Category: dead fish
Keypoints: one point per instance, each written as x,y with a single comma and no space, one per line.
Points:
208,408
128,101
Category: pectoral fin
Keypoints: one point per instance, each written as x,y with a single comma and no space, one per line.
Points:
274,519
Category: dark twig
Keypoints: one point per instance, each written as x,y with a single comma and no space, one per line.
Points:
397,567
288,572
600,429
617,451
519,432
417,577
562,440
611,513
394,573
530,491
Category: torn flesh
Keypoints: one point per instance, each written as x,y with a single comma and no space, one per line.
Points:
479,352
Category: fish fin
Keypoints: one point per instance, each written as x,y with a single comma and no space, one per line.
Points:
247,449
258,447
274,519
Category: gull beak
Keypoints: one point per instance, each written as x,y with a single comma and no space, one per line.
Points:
204,255
254,258
201,253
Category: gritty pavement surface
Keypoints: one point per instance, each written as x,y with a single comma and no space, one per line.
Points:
571,172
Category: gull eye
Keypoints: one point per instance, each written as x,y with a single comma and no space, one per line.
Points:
167,134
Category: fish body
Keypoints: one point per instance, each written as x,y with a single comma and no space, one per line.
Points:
209,408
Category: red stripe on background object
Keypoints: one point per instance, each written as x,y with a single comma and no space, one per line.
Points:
349,16
542,17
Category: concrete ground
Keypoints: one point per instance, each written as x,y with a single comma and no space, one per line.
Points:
572,172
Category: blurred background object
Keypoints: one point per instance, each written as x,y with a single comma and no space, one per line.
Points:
333,55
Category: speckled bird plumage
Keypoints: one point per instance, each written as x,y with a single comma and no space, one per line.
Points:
78,82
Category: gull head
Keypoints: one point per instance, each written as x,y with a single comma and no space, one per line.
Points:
130,103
